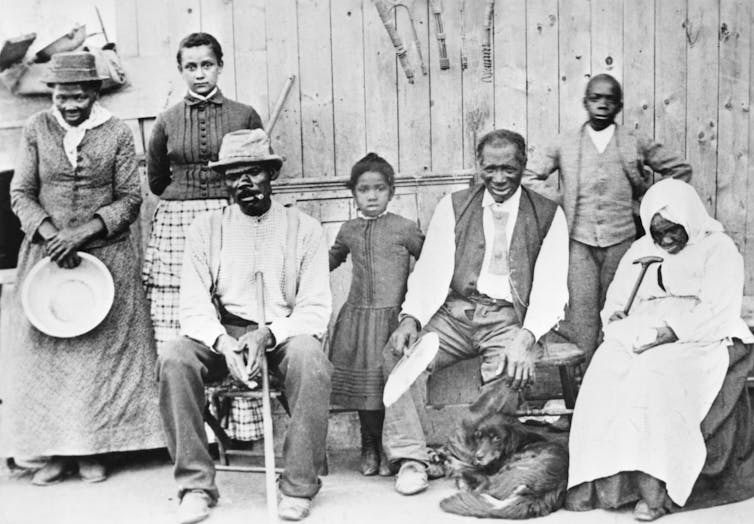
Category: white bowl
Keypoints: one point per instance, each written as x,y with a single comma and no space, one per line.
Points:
66,303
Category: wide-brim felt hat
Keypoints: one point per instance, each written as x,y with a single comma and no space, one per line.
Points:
72,68
66,303
245,147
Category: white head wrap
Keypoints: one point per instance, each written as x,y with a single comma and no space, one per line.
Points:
678,202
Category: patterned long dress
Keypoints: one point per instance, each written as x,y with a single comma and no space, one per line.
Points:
97,392
185,138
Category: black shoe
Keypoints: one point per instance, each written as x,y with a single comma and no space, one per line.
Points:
370,461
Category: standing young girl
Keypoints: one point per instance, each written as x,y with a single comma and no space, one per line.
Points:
381,245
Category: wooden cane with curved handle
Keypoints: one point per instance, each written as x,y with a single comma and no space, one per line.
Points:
645,263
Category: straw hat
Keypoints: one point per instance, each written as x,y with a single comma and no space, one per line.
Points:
72,68
246,146
67,303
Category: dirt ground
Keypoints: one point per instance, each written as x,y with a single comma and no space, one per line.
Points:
140,490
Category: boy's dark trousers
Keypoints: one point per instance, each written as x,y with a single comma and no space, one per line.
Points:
185,365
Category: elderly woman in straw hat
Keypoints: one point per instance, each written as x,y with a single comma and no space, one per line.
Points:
76,189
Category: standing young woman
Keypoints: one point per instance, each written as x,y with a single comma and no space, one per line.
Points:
184,139
76,189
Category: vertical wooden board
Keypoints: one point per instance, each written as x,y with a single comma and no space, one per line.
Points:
348,83
146,130
607,36
10,140
638,66
282,62
478,95
315,66
250,42
733,140
150,25
143,226
415,151
541,76
126,28
380,80
217,19
185,18
405,205
340,278
749,174
135,127
701,120
670,74
575,60
311,208
510,65
445,106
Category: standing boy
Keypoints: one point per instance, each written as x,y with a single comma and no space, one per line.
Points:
601,170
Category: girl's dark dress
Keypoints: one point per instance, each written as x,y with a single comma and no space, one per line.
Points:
381,249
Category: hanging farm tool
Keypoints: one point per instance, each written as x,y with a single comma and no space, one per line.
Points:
437,12
279,104
489,15
385,9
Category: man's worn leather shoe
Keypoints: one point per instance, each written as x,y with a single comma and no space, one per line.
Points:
194,507
412,478
294,508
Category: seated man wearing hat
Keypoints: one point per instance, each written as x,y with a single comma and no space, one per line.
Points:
218,312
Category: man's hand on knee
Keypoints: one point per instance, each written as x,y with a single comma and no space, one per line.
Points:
518,360
233,352
256,343
404,335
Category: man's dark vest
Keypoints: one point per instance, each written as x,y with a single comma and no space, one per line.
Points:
535,215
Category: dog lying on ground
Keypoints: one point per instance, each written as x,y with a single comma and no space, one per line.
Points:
504,470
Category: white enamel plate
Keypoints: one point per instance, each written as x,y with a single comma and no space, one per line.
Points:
66,303
408,368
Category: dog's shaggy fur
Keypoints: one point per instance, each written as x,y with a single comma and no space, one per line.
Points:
504,470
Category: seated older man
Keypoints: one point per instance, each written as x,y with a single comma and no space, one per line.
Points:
224,251
491,280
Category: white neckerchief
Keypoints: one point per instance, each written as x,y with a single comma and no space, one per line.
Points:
362,215
600,139
202,97
75,134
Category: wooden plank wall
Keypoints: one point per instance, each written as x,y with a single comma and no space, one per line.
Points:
686,67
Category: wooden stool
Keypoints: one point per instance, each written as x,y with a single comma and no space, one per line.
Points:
568,358
217,396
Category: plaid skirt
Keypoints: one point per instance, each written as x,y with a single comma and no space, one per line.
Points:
161,276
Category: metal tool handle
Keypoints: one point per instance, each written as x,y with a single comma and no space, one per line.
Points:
269,449
443,50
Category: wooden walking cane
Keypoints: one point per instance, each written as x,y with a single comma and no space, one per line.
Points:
269,450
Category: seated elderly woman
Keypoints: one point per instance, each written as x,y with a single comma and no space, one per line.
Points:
663,418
